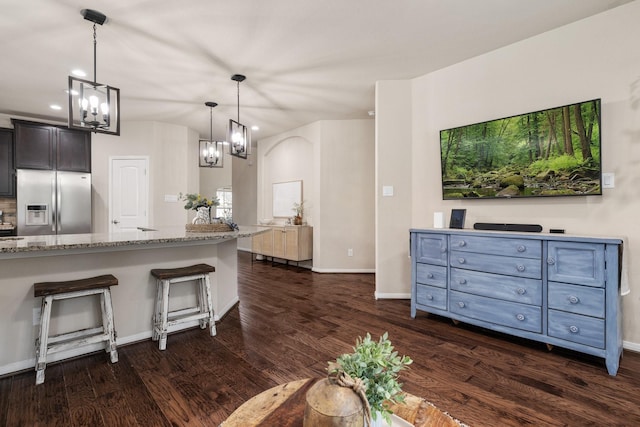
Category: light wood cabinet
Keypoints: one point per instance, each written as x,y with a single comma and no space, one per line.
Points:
290,242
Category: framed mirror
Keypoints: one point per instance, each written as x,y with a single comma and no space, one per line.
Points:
285,194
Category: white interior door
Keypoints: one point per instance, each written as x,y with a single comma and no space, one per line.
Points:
129,193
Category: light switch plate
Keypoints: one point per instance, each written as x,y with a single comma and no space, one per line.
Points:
387,190
171,198
608,180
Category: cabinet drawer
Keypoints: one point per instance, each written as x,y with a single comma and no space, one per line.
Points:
431,248
517,289
521,267
577,328
511,314
523,248
577,299
580,263
431,296
431,275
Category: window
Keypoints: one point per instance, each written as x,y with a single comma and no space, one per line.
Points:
223,210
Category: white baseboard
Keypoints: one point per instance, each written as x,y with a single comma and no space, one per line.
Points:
631,346
381,295
24,365
343,270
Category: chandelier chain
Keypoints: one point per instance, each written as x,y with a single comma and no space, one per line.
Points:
95,44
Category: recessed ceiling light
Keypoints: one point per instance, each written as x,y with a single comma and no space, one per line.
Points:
79,73
255,128
55,107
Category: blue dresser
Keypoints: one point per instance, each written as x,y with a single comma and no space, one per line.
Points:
558,289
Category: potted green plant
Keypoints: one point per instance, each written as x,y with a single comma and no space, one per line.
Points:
378,366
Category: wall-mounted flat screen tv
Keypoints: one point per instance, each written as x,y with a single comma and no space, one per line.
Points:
554,152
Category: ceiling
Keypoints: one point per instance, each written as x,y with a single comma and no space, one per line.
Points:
304,60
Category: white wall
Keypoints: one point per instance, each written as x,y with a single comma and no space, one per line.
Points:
173,164
597,57
244,181
334,159
393,160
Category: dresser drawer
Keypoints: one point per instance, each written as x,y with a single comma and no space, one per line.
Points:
523,248
431,296
575,262
577,299
431,248
511,314
576,328
517,289
521,267
431,275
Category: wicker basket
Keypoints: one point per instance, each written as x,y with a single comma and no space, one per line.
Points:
208,228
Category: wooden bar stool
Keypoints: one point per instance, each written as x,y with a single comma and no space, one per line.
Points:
163,319
52,291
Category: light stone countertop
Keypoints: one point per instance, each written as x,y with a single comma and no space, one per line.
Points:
19,246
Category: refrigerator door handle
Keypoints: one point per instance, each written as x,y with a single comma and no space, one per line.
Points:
58,205
53,209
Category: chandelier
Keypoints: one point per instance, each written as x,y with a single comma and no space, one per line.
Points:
94,106
239,137
211,153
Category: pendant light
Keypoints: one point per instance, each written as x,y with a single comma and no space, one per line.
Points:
211,153
239,137
94,106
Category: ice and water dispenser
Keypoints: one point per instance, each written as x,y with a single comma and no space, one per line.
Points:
37,215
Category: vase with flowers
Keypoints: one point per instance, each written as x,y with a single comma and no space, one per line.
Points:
298,208
201,205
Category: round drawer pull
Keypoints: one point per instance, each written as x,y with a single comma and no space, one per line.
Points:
574,329
462,243
520,317
443,249
520,268
461,260
430,275
521,291
430,297
461,304
521,248
551,261
463,281
574,299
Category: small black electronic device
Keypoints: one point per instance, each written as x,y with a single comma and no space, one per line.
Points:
556,230
457,218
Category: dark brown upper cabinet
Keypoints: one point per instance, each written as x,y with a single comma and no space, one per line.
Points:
43,146
7,172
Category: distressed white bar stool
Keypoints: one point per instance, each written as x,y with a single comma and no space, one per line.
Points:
54,291
163,319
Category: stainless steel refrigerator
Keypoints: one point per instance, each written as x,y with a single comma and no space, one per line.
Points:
53,202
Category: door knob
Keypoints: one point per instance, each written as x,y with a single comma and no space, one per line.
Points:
115,221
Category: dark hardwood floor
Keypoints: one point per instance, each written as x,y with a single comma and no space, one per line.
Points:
288,324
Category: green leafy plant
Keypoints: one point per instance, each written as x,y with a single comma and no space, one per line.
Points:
195,201
378,366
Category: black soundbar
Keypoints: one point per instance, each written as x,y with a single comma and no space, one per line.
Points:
530,228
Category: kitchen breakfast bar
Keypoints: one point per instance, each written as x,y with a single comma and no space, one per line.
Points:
129,256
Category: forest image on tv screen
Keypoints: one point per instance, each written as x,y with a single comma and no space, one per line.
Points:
554,152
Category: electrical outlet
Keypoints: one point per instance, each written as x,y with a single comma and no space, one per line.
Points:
36,316
349,252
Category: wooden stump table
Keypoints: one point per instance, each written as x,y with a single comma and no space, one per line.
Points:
283,406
